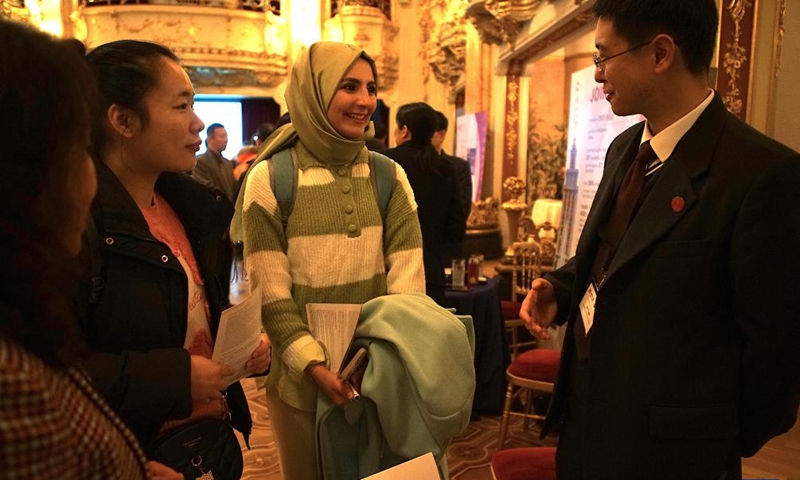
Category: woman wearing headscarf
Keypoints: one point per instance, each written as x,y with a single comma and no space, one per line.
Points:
335,248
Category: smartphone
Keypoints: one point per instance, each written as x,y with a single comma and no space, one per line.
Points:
356,361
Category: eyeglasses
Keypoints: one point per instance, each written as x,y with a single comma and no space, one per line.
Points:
599,61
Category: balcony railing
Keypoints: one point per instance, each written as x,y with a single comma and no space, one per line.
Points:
251,5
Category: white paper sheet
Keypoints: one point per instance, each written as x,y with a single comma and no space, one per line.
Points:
420,468
238,335
333,325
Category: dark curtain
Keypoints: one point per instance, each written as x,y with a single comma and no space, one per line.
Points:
256,111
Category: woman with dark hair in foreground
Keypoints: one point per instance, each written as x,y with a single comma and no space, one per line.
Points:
52,423
159,236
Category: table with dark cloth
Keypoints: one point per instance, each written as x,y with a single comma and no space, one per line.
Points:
482,302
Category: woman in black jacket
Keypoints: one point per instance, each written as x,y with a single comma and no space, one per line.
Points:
155,312
433,181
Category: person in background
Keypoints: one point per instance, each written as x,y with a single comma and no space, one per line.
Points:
53,424
248,153
463,180
682,348
335,247
244,159
217,172
432,179
264,131
212,169
378,142
160,237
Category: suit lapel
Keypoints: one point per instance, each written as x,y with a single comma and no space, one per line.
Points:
690,159
618,160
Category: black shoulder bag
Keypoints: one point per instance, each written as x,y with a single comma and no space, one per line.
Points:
203,449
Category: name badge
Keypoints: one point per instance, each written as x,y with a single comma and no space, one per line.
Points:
587,307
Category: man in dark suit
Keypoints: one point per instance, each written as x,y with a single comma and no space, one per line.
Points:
463,178
682,352
212,168
215,171
432,179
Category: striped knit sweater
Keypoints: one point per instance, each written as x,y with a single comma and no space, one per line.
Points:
334,250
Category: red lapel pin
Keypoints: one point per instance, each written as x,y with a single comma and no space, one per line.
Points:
678,204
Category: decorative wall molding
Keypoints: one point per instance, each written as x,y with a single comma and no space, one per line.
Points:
511,147
448,58
779,37
231,77
444,39
218,47
735,55
525,53
500,21
11,11
368,28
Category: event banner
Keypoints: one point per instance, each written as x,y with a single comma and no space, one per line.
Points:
471,145
592,127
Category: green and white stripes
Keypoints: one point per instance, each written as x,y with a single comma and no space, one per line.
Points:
334,250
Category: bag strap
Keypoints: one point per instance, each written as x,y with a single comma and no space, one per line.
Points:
382,174
283,174
283,180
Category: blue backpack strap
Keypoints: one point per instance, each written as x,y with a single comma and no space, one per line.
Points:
283,181
382,173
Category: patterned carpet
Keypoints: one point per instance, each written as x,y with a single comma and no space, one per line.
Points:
468,456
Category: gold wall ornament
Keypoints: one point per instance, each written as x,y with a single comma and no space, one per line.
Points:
363,24
448,58
484,214
491,29
15,10
500,21
779,38
213,43
388,70
234,77
511,150
526,53
517,10
444,39
736,34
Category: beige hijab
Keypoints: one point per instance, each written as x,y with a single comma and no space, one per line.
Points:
314,81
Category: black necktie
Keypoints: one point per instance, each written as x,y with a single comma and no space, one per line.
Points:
625,205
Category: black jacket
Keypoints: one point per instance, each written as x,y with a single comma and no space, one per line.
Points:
439,209
694,357
138,326
463,176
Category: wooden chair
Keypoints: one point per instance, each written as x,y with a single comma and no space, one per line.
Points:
526,266
535,463
532,372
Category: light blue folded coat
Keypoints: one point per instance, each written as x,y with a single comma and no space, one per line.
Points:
416,394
